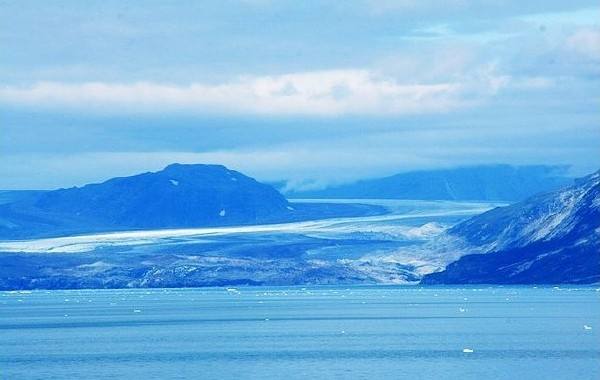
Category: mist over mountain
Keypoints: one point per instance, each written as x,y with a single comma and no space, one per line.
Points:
489,182
549,238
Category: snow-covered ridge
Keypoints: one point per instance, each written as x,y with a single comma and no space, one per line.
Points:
551,238
540,218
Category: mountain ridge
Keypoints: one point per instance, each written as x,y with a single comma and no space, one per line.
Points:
549,238
499,182
178,196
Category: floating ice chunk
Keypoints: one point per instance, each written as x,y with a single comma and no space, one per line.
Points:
467,350
462,310
137,311
587,327
174,182
290,208
233,179
222,213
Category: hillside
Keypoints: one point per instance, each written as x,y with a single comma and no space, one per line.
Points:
489,183
549,238
178,196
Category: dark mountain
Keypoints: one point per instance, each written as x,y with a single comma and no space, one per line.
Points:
549,238
493,183
178,196
9,196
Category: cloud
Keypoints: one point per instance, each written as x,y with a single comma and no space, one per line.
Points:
585,42
459,10
322,93
317,163
468,82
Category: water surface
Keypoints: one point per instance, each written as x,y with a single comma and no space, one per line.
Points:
316,332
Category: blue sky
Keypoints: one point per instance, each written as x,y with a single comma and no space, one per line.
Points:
311,92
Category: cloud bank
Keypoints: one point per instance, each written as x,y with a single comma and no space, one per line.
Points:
309,93
321,93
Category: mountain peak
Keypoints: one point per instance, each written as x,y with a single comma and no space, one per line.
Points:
193,167
181,195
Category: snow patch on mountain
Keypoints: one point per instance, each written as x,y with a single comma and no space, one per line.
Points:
540,218
549,238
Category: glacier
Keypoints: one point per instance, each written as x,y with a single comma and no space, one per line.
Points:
400,246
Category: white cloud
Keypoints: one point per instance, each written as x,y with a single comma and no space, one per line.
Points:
383,6
585,42
335,92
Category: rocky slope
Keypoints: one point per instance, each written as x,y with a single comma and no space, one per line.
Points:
549,238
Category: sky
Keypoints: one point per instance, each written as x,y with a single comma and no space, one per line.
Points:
311,92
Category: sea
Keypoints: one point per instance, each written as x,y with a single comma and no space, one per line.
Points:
316,332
